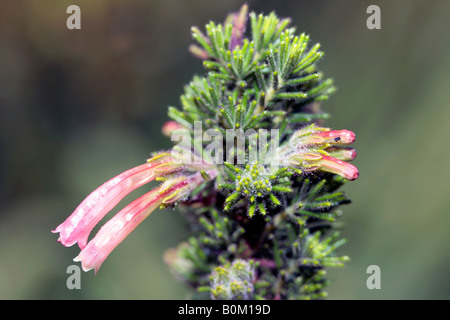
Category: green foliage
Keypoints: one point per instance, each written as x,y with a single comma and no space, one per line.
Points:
290,245
271,74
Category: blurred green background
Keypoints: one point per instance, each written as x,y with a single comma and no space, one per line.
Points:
78,107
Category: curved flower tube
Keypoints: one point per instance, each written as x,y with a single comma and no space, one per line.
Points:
333,165
126,220
179,179
79,225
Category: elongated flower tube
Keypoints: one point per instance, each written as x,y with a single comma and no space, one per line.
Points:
80,224
342,168
334,136
330,164
125,221
318,136
179,180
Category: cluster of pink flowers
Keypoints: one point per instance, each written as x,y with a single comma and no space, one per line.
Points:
316,148
179,182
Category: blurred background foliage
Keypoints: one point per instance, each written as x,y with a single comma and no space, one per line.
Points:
78,107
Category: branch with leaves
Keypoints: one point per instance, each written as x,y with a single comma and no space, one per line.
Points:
261,228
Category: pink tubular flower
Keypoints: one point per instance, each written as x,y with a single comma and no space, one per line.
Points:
116,229
333,165
80,224
123,223
179,179
313,135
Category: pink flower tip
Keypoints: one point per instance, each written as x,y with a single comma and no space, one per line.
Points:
342,168
117,229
